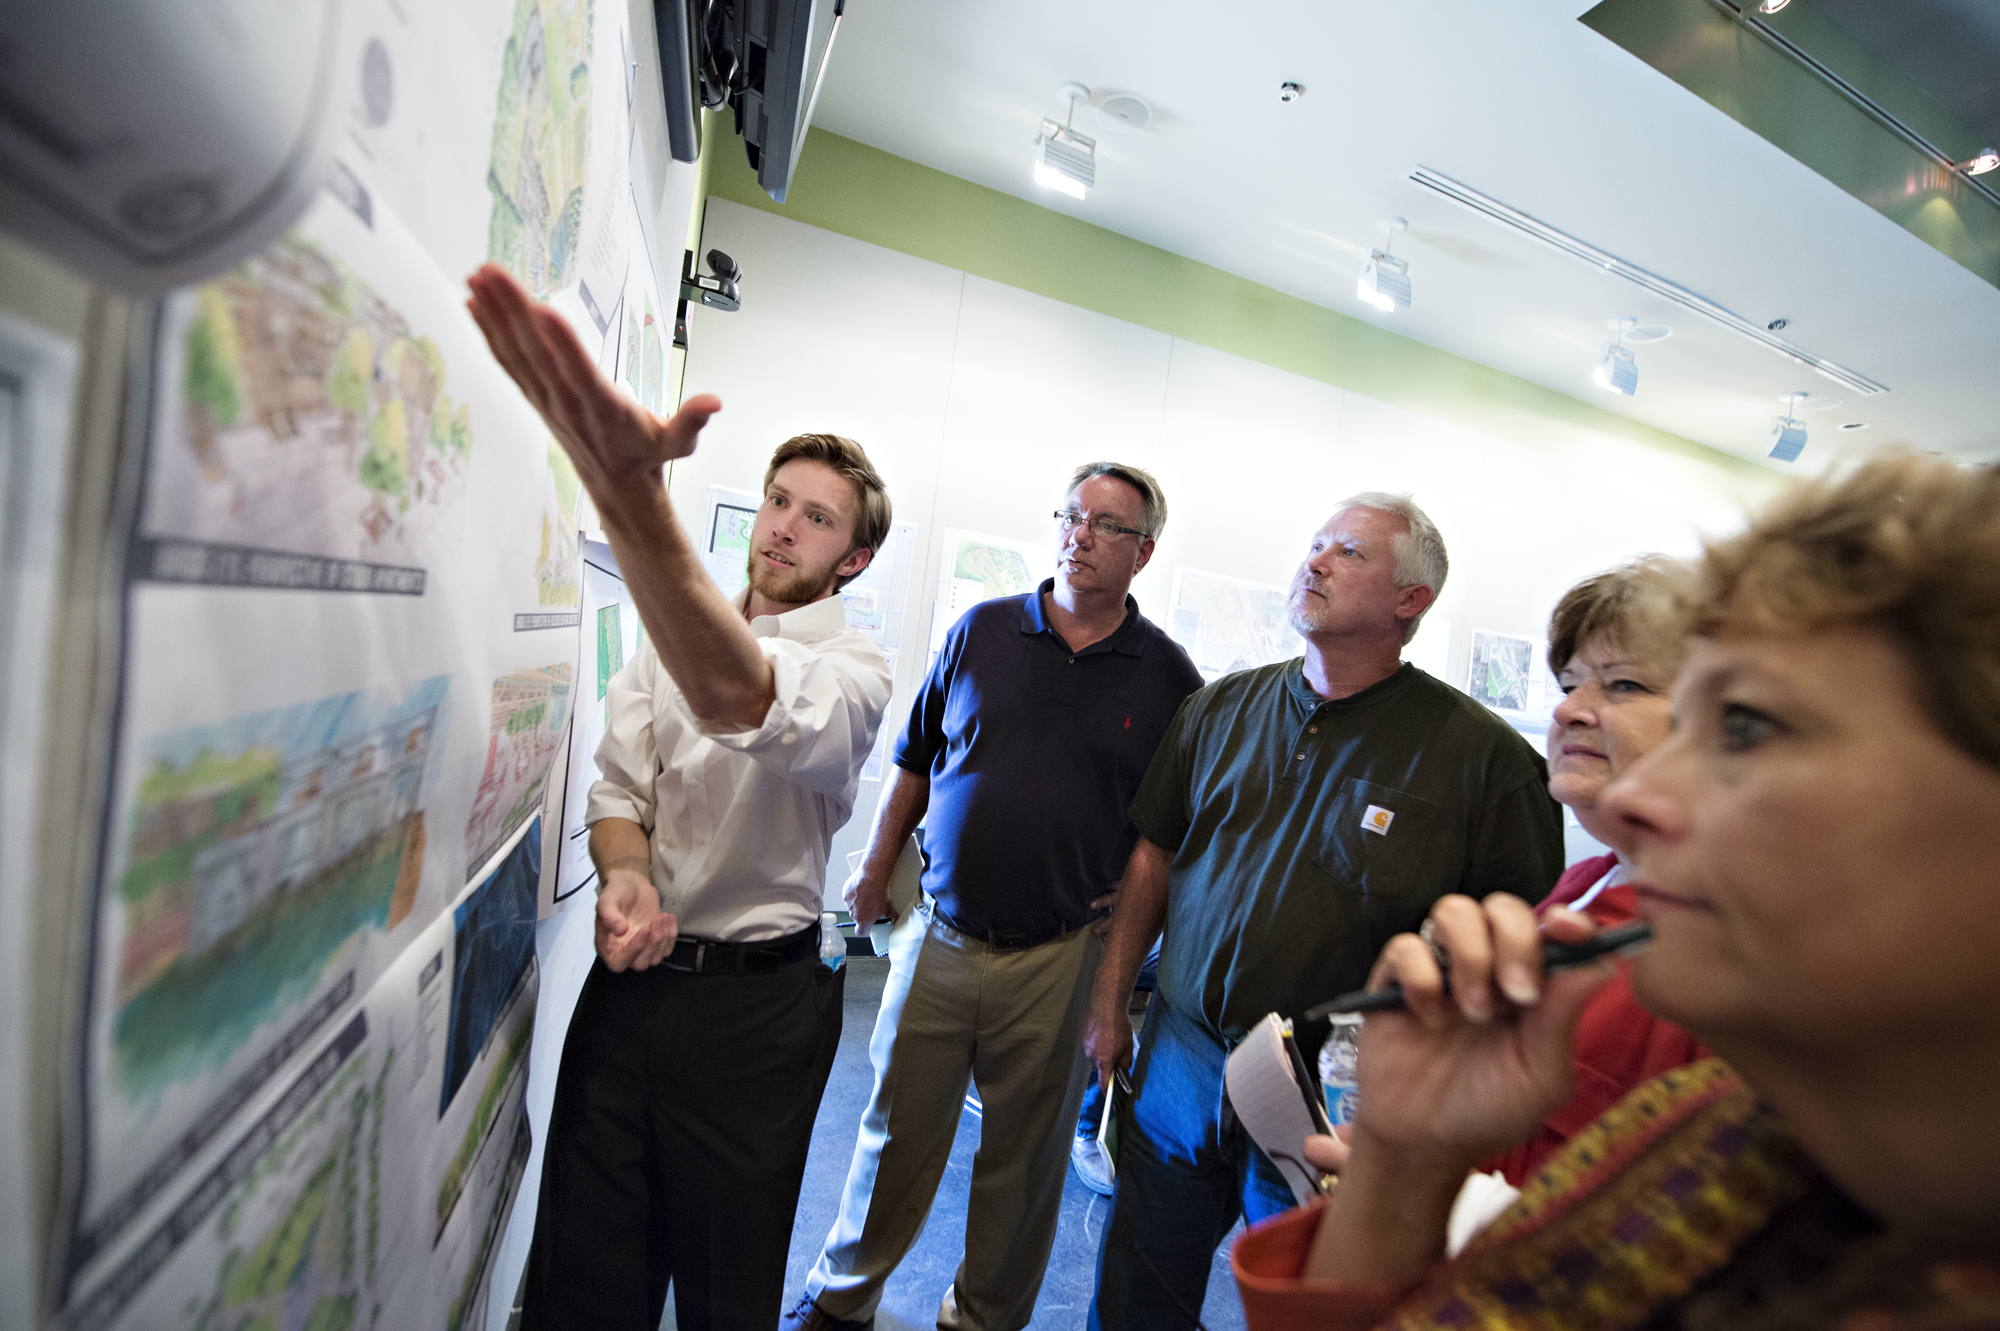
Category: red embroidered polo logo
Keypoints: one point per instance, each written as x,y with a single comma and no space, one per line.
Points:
1128,723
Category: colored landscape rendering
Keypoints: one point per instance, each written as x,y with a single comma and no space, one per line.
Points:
315,419
541,143
251,863
530,718
1001,571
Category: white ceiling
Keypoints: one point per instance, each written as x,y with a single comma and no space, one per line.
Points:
1512,97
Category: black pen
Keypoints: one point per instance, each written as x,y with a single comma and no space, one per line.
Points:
1555,957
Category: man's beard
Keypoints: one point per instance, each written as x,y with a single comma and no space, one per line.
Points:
797,585
1299,609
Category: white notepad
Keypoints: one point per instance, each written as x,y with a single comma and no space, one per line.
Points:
905,880
1276,1102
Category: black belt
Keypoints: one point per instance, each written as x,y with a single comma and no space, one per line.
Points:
1005,940
701,957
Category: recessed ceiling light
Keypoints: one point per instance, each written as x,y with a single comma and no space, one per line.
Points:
1985,160
1852,425
1649,333
1289,91
1128,110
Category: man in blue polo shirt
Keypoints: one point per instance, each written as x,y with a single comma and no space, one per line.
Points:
1026,747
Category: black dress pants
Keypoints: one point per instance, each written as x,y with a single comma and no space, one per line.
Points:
677,1142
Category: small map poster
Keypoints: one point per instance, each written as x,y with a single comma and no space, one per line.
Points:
1503,673
731,516
1228,624
877,600
978,567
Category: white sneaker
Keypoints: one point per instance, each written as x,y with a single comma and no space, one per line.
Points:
1093,1166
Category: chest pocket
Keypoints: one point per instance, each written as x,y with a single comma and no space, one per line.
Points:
1375,838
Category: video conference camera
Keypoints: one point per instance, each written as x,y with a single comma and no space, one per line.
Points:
715,289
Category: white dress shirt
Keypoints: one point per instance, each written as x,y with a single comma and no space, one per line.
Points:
738,818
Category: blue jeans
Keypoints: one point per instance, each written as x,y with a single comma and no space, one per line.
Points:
1186,1172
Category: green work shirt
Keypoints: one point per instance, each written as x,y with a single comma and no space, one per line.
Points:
1307,833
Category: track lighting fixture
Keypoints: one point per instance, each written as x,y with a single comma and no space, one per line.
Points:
1385,279
1981,162
1617,371
1788,437
1064,159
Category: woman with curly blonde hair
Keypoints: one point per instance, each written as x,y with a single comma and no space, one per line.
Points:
1814,847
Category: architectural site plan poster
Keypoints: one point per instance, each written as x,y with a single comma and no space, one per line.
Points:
352,616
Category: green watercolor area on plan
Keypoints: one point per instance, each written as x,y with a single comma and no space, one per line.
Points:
252,798
482,1119
733,527
312,1248
203,1006
610,648
1003,572
461,1303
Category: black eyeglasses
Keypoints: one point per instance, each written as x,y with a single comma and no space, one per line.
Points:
1067,521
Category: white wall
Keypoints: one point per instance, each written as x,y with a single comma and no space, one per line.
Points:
976,399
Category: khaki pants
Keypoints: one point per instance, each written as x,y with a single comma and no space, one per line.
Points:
1010,1021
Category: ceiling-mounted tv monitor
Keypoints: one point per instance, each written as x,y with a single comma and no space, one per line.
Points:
764,59
677,29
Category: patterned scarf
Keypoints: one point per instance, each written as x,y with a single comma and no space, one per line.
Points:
1656,1199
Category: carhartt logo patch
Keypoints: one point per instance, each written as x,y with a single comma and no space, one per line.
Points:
1377,820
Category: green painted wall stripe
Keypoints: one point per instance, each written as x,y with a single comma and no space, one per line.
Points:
870,195
1733,70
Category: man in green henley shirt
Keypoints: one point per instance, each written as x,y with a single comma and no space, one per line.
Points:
1294,818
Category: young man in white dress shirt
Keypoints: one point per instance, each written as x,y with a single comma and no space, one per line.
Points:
702,1041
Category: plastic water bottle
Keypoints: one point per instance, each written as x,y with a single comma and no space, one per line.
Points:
832,943
1339,1068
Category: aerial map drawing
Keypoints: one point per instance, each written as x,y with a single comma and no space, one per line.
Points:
541,144
1501,672
314,419
1002,567
1228,624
